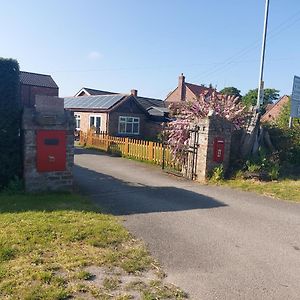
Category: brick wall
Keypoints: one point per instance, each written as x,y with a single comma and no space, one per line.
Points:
174,97
128,108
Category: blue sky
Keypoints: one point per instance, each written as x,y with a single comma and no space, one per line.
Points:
119,45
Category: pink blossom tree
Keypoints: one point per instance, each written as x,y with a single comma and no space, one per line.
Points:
187,113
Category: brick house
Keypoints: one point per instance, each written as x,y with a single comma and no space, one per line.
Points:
186,91
32,84
273,110
118,114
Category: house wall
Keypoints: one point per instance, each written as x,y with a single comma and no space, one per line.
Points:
28,93
153,130
110,121
128,108
85,120
175,96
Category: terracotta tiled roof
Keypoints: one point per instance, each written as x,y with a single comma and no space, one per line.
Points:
273,113
269,106
199,89
36,79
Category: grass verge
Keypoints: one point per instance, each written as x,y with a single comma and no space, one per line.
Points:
285,189
48,241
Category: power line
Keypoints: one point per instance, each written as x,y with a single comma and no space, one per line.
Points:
274,33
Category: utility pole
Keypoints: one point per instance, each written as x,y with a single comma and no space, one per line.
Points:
260,93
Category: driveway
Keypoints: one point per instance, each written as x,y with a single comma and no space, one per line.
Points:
214,242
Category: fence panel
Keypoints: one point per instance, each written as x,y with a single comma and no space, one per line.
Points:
132,148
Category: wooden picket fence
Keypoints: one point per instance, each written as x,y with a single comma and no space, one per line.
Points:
132,148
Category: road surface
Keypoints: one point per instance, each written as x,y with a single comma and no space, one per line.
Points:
213,242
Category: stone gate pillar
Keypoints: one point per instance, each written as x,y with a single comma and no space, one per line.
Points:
48,146
214,138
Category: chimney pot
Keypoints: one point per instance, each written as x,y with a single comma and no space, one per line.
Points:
133,92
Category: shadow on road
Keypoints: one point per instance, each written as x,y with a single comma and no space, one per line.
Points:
119,197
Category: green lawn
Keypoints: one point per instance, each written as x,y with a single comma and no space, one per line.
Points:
48,243
285,189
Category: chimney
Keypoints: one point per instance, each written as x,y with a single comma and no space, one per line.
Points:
181,87
133,93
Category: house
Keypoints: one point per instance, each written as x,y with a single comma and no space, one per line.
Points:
118,114
186,91
273,110
32,84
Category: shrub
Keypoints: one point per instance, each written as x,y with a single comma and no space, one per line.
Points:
217,174
10,121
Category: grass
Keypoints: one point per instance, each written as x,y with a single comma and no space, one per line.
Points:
285,189
48,241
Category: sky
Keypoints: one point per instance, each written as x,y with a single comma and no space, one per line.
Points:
119,45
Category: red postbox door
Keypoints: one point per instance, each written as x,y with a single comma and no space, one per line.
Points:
51,150
219,146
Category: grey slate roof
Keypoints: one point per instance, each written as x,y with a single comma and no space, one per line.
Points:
35,79
93,92
158,111
104,102
146,103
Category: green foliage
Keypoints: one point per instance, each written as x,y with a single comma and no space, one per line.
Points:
10,120
252,167
287,142
217,174
274,171
270,95
231,91
263,166
15,186
283,119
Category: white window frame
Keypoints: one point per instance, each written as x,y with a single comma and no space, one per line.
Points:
95,116
77,120
135,120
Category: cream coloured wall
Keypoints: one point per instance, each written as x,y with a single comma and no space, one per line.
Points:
85,120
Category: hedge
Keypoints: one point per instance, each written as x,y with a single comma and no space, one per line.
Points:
10,121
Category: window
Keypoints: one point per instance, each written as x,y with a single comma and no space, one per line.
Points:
95,121
77,121
129,125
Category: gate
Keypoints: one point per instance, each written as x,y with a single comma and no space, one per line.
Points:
192,154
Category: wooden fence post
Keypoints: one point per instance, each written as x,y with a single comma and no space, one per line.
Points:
151,151
126,146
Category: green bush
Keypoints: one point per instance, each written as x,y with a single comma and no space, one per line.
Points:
217,174
10,121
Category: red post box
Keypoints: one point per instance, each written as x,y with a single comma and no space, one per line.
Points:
219,146
51,150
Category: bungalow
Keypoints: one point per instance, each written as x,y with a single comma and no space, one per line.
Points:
118,114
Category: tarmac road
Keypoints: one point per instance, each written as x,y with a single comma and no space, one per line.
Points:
213,242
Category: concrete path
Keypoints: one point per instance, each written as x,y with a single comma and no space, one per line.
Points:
214,242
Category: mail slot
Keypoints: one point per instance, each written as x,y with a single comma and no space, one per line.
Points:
219,146
51,150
